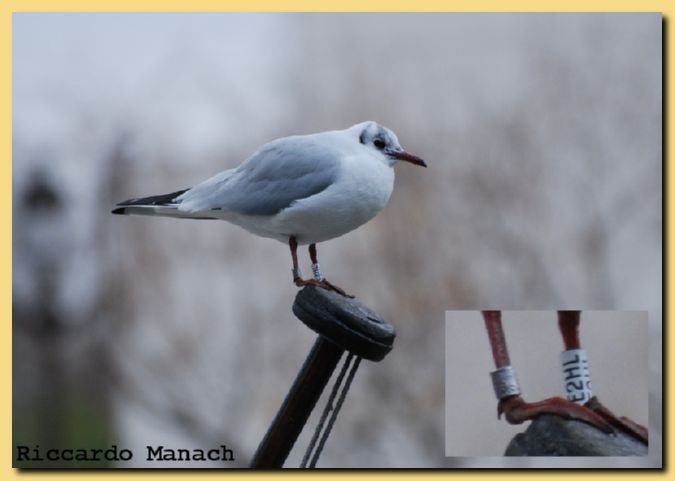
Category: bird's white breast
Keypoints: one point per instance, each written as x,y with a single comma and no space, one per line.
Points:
361,190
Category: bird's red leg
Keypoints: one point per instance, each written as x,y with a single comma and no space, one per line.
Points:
293,244
318,276
493,324
568,322
511,404
318,279
623,423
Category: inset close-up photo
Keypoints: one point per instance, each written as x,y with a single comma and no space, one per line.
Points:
547,383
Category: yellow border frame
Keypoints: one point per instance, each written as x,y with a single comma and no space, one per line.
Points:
10,6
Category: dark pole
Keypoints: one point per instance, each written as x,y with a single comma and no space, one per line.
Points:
342,324
298,405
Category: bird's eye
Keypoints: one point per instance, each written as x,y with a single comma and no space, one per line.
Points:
379,143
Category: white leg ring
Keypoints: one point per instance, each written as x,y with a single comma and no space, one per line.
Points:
576,376
316,270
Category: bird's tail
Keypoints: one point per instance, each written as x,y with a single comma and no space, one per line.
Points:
164,205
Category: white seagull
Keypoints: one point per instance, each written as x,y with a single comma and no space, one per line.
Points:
300,190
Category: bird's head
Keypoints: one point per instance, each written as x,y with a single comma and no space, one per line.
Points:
374,136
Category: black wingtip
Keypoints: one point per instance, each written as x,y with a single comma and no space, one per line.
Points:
163,199
119,211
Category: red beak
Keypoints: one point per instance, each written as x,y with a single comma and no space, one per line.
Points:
403,155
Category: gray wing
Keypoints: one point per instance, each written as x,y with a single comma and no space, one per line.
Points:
280,173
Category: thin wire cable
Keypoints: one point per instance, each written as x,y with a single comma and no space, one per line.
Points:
326,410
341,400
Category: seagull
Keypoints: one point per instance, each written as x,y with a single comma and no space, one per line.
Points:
300,190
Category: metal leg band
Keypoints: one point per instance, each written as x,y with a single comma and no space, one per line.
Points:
504,382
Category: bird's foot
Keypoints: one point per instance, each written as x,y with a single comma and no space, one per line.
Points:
622,423
516,411
323,283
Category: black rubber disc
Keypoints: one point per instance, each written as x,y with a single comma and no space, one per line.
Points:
345,322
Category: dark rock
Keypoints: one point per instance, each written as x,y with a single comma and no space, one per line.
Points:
345,322
555,436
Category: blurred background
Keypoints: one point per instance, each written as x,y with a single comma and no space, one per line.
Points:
543,135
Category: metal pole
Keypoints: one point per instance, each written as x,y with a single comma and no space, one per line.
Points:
342,324
298,405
